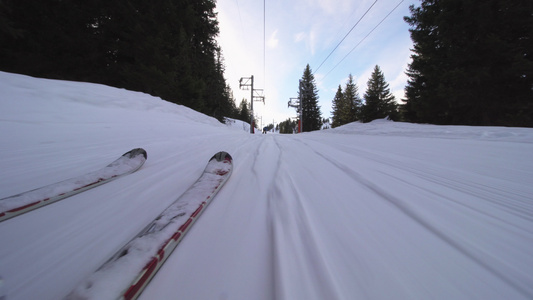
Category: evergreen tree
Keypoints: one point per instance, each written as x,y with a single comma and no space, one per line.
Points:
245,114
346,104
288,126
472,63
379,102
308,95
353,103
338,106
228,109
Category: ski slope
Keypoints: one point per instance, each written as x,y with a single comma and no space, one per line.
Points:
382,210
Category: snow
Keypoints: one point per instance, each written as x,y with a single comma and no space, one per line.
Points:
239,125
382,210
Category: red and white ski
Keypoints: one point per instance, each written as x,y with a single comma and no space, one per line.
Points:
128,272
21,203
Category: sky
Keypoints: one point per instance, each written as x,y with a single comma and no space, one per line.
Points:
274,40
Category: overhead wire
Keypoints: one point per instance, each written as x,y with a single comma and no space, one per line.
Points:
264,44
348,19
358,21
363,39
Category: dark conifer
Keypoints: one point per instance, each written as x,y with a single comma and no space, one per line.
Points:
352,102
244,112
346,104
338,106
379,102
308,94
472,63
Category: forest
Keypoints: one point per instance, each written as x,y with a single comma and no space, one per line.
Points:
472,63
165,48
472,60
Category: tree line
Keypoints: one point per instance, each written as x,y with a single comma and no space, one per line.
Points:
377,102
472,63
166,48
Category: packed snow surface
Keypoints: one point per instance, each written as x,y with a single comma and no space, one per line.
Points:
382,210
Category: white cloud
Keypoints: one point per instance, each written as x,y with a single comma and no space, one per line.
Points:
273,41
312,41
332,7
300,36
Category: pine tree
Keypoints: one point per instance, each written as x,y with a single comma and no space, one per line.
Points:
353,103
472,63
337,106
346,104
288,126
379,102
244,113
308,95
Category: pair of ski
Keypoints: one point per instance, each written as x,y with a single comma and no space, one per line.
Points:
128,272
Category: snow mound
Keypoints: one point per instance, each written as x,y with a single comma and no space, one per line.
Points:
17,91
384,127
239,125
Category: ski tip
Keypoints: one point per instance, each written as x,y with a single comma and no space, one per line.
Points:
222,156
135,152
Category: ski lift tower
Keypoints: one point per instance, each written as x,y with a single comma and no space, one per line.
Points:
255,95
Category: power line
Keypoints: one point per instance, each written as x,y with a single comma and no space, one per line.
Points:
264,43
345,36
348,19
363,38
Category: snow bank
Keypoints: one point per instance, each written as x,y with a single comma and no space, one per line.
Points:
19,94
390,128
239,125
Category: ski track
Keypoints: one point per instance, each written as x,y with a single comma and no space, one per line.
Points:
239,217
301,266
521,208
281,242
292,228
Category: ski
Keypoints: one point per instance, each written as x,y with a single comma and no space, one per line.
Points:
21,203
129,270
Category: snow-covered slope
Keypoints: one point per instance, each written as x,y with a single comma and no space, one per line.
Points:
366,211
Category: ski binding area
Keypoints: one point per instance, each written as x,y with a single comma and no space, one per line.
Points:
140,259
24,202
